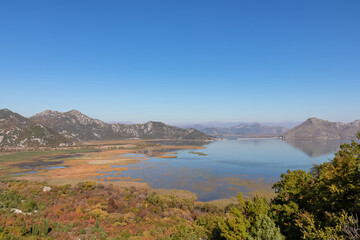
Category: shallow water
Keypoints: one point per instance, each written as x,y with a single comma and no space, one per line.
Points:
35,164
230,166
55,167
31,172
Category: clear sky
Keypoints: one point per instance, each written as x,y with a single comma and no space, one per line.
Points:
182,61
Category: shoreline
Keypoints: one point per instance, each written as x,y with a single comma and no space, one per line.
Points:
95,164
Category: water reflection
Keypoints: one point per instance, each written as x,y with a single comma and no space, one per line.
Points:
316,147
226,167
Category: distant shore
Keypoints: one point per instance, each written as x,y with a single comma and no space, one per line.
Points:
249,137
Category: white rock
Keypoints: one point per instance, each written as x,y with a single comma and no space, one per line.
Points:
17,211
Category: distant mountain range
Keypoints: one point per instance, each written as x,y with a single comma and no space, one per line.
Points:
53,128
246,130
242,129
238,130
204,125
314,128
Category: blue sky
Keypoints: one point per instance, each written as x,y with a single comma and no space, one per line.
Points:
182,61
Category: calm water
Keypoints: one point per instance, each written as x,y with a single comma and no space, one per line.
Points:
231,166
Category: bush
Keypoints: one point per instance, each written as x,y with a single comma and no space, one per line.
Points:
265,228
186,231
86,186
169,201
29,205
99,214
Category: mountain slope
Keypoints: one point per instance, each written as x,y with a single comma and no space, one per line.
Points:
18,131
74,125
322,129
257,129
157,130
80,127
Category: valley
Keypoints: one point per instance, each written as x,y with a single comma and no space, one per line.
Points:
150,176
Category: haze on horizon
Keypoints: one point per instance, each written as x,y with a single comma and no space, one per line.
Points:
182,62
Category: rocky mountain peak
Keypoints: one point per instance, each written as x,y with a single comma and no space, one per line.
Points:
5,112
72,116
314,120
154,123
321,122
75,112
47,113
83,119
19,131
323,129
12,118
355,123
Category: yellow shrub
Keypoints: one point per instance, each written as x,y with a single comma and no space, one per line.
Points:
99,214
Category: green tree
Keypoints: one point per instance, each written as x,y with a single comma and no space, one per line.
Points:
249,220
292,191
235,225
265,229
337,183
311,205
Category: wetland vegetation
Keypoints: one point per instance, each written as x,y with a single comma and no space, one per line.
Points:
318,203
199,153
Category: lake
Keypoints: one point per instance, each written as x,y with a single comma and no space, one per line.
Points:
228,166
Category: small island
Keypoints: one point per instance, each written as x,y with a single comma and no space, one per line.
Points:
199,153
